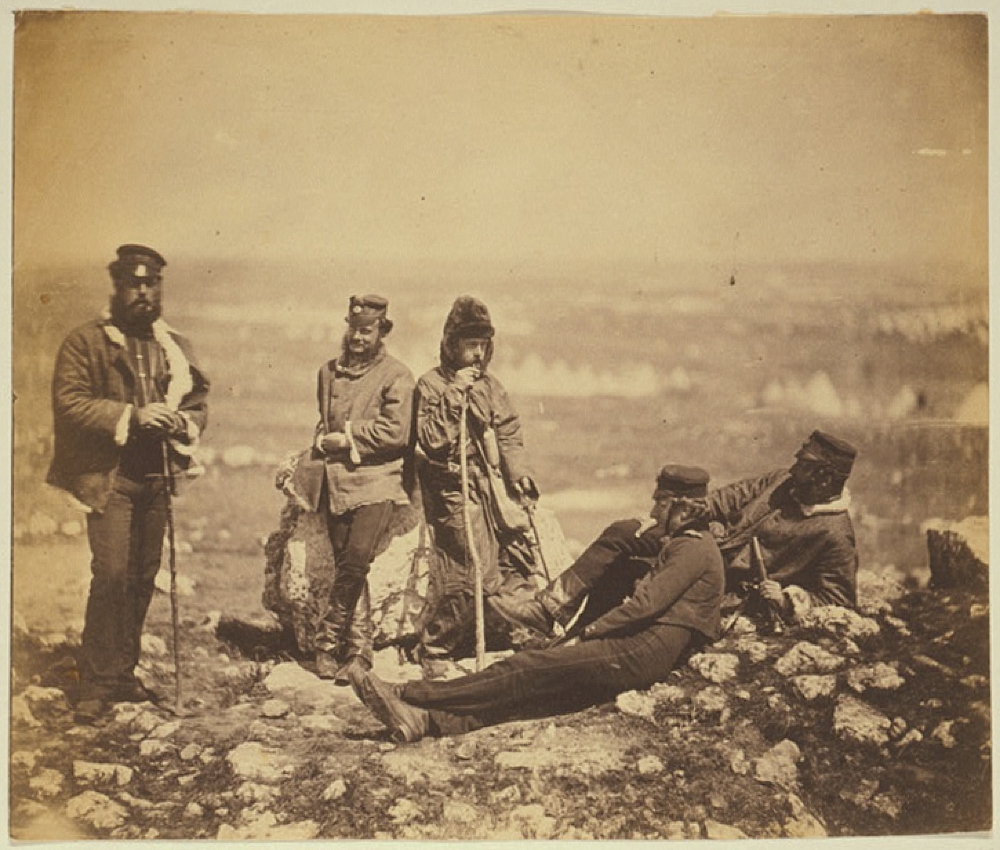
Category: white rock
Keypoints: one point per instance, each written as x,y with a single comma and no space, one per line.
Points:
802,823
154,748
190,752
722,831
48,782
854,720
715,666
942,733
636,704
165,730
185,584
153,645
99,772
20,714
879,676
755,650
253,761
96,809
326,723
649,765
257,794
264,825
841,622
811,687
532,821
404,811
711,701
24,760
296,685
337,789
275,708
778,765
459,812
193,810
807,658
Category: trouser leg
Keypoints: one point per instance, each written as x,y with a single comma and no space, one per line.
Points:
353,537
535,681
105,652
149,520
617,543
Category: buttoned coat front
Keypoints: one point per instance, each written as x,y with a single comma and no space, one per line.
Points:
92,387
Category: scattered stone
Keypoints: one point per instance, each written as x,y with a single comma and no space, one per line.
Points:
755,650
257,794
97,810
143,721
326,723
663,692
508,794
296,685
466,750
841,622
716,667
636,704
877,592
20,714
649,765
185,584
405,811
901,627
458,812
712,702
263,825
154,748
807,658
978,610
193,810
943,734
335,790
45,699
778,765
898,727
975,682
811,687
802,823
190,752
889,804
532,821
98,772
153,645
48,782
879,676
24,760
558,746
165,730
856,721
722,831
251,760
275,708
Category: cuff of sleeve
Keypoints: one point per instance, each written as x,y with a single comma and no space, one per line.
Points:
121,429
191,430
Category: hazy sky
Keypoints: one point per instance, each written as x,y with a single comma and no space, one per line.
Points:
502,139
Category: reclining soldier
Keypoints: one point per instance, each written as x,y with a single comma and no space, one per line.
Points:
635,644
798,518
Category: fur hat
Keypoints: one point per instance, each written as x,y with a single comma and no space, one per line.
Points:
468,319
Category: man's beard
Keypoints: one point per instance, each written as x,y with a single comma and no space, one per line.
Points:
138,316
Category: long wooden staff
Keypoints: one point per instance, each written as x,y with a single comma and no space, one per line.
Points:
463,460
168,475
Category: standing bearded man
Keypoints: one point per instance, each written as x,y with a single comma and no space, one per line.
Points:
463,385
129,404
365,409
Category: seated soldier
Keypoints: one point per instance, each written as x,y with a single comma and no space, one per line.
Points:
635,644
798,517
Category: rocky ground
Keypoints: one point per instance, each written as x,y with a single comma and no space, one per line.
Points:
852,723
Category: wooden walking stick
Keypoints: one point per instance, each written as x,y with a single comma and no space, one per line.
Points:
463,460
168,475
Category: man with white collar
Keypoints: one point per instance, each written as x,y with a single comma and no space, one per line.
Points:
129,403
801,525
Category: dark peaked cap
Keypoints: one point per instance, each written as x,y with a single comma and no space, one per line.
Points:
366,309
830,450
138,261
684,481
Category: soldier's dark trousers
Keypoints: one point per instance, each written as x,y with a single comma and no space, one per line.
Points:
347,629
126,541
542,682
615,546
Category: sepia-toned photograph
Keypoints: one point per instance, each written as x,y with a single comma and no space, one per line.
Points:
499,426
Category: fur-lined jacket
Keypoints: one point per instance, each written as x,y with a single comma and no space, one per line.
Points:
812,547
92,388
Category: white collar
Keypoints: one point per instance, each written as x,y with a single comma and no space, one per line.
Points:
837,506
